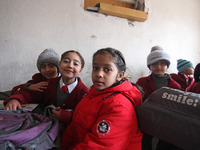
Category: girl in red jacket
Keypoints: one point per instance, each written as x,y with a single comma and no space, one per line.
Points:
70,67
158,62
48,66
106,118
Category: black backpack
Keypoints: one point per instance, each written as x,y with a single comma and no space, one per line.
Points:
173,116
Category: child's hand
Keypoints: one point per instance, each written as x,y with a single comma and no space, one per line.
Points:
56,113
13,104
41,86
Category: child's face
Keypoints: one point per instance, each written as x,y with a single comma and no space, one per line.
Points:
159,68
105,72
70,66
189,71
48,70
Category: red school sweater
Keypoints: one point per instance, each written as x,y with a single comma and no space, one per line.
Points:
36,78
149,87
180,79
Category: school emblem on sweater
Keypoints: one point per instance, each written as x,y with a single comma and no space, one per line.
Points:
103,127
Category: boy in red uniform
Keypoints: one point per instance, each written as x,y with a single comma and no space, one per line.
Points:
48,66
185,71
158,62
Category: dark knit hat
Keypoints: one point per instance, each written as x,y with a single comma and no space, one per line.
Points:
197,73
156,55
48,56
183,65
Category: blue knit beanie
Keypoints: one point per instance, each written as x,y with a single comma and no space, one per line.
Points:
156,55
183,65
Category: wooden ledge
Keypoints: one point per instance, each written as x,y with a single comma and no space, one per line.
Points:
122,12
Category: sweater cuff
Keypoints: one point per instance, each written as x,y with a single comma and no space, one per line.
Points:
17,97
65,116
26,86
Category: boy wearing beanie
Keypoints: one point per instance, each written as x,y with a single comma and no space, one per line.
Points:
47,64
158,62
185,71
48,56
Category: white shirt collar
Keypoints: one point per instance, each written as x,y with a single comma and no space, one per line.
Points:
71,86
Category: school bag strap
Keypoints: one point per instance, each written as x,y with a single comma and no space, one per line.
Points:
48,110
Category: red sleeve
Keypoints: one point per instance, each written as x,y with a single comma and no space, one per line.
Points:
17,88
65,117
36,78
25,96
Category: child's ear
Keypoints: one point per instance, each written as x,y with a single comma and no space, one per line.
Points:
120,75
80,70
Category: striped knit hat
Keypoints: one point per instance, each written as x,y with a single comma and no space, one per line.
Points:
183,65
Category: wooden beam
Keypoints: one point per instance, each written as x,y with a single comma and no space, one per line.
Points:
122,12
93,3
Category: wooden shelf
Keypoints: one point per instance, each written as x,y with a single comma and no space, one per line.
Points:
93,3
122,12
116,8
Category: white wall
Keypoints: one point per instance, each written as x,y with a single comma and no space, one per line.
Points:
29,26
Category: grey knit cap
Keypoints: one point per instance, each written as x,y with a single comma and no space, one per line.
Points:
48,56
156,55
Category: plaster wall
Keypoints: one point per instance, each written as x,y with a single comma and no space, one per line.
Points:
27,27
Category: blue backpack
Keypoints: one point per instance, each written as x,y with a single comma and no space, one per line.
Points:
28,131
